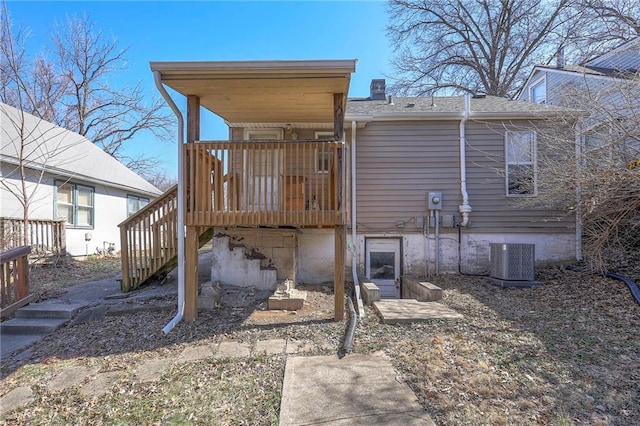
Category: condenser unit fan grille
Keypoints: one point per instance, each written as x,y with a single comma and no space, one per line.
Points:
513,261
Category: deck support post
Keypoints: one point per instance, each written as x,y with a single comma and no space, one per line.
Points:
338,116
193,118
338,273
191,274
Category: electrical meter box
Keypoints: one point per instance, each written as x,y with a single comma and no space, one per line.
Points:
434,201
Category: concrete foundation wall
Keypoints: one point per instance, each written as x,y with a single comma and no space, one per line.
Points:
313,262
315,256
233,267
419,252
275,248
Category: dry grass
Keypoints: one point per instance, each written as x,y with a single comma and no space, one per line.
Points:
563,353
49,280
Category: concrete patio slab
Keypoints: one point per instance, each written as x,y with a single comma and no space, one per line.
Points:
232,350
196,353
101,384
152,369
15,398
399,311
294,346
270,347
355,390
70,376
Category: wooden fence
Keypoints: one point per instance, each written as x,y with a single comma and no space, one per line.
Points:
46,237
14,280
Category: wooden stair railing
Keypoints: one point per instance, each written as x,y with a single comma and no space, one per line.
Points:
148,240
14,280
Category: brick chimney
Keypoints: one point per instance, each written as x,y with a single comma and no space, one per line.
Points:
378,92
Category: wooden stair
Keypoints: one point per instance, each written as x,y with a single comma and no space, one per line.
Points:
149,241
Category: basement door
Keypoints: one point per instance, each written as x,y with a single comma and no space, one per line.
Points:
383,265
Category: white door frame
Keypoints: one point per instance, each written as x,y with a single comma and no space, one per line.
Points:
393,244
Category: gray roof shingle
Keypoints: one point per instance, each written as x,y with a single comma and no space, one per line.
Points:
450,106
63,153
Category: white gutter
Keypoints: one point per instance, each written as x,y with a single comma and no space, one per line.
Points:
158,80
354,222
464,208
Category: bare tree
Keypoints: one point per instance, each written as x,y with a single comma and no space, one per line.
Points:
92,106
603,24
472,45
160,180
73,87
604,173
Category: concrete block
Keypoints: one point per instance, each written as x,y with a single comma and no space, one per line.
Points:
292,302
370,292
421,291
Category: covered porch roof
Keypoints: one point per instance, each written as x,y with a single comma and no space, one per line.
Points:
263,91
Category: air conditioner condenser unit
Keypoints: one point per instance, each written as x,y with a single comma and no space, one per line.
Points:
513,262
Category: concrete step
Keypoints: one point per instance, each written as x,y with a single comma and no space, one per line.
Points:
31,325
48,310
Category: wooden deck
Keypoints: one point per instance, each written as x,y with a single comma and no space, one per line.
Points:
266,183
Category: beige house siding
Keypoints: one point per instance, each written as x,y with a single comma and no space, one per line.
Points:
398,163
302,164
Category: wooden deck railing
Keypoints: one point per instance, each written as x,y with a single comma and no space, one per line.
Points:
257,183
149,239
14,280
44,236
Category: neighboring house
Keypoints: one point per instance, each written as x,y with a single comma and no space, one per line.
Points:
435,182
606,87
69,178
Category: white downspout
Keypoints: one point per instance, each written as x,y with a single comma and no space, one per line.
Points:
158,80
464,208
354,222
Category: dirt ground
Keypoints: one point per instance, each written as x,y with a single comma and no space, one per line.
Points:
563,353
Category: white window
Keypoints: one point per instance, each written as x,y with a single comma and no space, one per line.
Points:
74,204
263,134
520,147
135,203
538,91
324,155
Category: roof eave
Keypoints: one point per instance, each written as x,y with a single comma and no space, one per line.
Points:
435,116
89,179
255,67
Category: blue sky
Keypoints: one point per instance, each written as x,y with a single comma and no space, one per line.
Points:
219,31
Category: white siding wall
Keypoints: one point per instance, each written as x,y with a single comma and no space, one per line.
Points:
40,189
110,208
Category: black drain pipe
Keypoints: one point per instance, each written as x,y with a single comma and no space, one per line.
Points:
347,345
634,288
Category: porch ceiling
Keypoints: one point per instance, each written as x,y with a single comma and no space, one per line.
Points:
262,91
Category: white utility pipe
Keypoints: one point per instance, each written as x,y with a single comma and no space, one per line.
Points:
158,80
436,224
464,208
354,222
